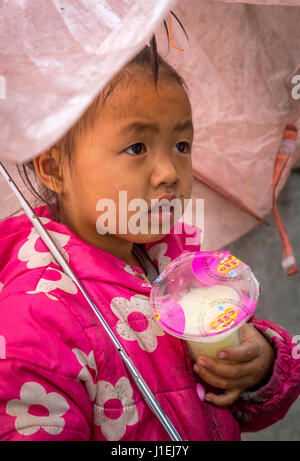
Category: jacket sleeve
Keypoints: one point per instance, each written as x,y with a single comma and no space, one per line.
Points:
258,408
42,372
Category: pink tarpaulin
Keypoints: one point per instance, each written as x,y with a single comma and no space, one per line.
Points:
241,65
264,2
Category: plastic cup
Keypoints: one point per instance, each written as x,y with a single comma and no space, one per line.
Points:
197,348
205,298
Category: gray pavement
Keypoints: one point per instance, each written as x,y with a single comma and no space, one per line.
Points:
280,296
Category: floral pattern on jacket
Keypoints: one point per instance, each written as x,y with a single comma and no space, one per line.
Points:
62,377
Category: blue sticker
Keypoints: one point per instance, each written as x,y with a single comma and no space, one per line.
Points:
233,273
221,308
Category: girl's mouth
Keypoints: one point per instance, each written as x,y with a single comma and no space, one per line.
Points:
163,210
161,214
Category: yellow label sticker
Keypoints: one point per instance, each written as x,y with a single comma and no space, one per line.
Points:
157,315
228,264
223,319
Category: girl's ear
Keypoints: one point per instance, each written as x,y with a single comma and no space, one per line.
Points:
47,169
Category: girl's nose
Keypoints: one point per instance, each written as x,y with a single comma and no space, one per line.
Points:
164,171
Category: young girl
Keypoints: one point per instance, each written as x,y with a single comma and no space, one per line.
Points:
61,377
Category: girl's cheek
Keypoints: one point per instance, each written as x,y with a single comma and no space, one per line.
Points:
188,186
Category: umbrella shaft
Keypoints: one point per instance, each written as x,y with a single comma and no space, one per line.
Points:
45,236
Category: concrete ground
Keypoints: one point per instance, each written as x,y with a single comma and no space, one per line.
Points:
280,295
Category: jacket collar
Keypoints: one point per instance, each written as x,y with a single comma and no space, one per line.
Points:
25,250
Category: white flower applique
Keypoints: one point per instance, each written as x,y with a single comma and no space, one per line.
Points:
33,393
158,252
57,279
271,334
128,269
121,412
141,275
84,374
28,253
136,322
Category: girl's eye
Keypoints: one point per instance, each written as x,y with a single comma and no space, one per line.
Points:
184,147
136,148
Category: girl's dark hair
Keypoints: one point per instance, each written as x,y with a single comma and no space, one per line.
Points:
151,62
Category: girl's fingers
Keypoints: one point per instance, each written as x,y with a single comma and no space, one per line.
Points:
252,345
243,353
214,380
226,370
222,400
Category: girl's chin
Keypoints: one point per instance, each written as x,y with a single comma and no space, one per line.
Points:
147,238
154,232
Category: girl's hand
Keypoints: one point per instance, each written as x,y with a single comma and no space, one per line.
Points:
252,363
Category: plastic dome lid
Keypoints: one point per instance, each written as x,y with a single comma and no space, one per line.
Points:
204,295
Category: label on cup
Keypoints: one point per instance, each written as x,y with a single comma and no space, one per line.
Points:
219,266
224,320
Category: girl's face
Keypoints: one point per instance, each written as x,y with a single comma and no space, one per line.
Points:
140,143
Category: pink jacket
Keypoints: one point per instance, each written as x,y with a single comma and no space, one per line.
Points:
60,375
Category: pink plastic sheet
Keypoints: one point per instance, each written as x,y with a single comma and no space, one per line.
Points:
239,64
264,2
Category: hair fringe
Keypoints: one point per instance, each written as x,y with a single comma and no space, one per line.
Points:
173,14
